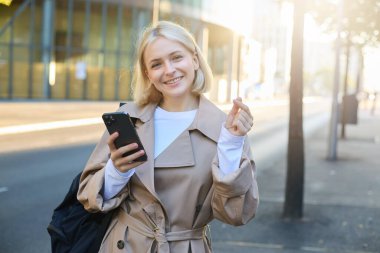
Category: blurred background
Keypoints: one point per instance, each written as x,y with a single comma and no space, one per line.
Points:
84,49
308,69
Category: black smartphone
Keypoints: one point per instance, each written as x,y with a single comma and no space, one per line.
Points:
121,122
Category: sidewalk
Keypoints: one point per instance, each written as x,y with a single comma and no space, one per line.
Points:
342,200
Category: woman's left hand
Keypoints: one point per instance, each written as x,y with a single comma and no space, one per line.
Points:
239,120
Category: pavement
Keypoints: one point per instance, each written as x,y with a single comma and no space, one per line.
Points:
341,198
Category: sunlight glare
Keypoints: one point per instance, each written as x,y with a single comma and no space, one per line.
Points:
238,15
313,33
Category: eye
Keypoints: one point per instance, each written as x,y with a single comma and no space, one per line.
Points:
155,65
177,57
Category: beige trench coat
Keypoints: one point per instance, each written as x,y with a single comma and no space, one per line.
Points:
169,200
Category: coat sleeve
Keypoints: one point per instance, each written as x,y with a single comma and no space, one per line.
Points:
236,196
92,181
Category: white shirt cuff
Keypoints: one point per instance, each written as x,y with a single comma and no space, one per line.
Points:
230,149
114,180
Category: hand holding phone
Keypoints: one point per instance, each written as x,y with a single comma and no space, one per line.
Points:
121,122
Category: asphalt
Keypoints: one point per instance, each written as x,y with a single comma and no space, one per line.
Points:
341,198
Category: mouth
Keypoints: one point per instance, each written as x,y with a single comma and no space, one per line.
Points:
174,80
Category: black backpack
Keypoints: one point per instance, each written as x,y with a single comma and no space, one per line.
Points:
74,230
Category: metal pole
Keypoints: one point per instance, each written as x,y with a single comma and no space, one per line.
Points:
345,88
333,136
156,11
232,66
118,48
103,49
11,62
69,46
47,43
238,70
32,31
86,44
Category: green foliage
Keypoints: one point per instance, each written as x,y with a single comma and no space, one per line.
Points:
360,23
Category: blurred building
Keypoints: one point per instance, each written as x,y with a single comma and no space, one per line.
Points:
273,21
84,49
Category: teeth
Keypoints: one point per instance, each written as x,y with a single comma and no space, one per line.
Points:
174,80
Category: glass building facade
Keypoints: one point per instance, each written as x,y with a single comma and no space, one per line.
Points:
84,49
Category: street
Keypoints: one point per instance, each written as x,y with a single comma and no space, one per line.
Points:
37,168
308,71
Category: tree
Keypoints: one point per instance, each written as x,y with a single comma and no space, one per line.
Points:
360,26
293,206
360,19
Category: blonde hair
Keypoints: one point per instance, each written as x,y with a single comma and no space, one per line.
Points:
144,91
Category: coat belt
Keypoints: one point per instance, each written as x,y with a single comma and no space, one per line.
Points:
157,234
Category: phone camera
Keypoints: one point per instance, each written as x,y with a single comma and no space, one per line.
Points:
109,120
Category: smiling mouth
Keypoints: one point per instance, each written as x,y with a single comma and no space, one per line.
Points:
174,80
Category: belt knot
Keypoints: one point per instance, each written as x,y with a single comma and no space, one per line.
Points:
159,235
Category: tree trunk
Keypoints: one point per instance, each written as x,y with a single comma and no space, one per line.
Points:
293,207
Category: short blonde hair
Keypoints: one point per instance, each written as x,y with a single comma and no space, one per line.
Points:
144,91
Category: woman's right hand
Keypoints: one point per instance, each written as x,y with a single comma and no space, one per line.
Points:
123,164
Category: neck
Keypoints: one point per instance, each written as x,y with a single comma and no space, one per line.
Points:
180,105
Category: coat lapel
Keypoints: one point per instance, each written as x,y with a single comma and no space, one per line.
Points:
177,154
145,130
145,171
208,119
180,153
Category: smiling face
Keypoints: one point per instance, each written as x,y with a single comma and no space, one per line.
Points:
170,67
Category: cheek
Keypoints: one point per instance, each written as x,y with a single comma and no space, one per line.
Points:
153,76
158,87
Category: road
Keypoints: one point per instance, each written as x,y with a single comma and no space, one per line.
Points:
36,167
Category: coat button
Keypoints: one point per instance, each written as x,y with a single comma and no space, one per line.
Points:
120,244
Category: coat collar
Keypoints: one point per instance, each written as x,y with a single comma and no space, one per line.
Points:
144,113
208,120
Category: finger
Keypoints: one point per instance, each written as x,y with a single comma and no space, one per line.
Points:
248,118
128,162
111,141
128,148
129,166
235,107
231,115
242,128
247,125
242,106
117,153
132,157
236,104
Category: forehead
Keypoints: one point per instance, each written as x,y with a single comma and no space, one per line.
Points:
162,47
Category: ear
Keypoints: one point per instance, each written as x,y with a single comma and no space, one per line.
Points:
146,73
195,61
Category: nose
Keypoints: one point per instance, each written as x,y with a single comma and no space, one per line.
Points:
169,68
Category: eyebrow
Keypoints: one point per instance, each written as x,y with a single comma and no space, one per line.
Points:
157,59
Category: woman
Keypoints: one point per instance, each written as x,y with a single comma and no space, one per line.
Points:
199,164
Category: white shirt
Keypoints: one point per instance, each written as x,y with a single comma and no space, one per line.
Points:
167,127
